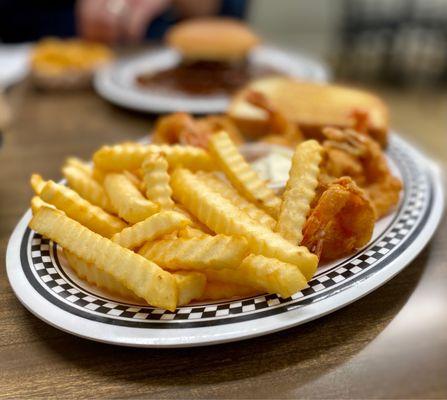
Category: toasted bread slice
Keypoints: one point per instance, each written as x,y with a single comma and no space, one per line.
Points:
312,106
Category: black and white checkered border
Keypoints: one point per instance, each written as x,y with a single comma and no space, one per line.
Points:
53,278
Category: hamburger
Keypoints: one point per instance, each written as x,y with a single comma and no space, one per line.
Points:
214,58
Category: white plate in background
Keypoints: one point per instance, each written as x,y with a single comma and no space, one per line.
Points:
116,82
14,63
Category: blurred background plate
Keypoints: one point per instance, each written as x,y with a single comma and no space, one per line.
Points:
116,83
13,63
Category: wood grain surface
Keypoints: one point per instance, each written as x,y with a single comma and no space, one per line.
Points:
392,343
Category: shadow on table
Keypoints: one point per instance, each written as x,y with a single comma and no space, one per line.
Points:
312,349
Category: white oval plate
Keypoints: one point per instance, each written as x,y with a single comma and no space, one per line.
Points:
116,82
41,279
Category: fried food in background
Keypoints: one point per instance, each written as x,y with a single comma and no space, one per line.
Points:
280,131
312,106
66,64
348,153
184,129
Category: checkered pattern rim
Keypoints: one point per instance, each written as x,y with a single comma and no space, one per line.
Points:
46,268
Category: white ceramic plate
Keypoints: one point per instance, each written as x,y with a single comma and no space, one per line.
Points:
43,282
116,82
14,60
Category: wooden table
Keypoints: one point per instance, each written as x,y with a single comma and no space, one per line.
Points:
392,343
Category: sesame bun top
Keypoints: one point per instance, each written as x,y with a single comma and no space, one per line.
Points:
216,39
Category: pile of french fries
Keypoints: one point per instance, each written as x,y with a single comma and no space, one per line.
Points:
169,225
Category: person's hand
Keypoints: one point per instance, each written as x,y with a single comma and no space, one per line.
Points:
117,20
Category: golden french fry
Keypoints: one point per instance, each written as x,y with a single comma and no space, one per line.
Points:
87,187
222,290
98,174
130,156
191,286
134,179
224,217
120,157
37,203
141,276
98,277
156,180
300,190
169,236
193,158
190,232
79,164
130,204
197,253
89,215
230,193
263,273
195,223
138,173
37,183
241,175
151,228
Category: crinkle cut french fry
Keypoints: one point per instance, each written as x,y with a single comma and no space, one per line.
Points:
224,217
242,175
195,222
37,203
227,191
191,157
128,201
99,277
37,183
79,164
190,232
197,253
156,180
263,273
299,191
151,228
138,173
191,286
170,236
130,156
134,179
120,157
87,187
79,209
143,277
222,290
98,174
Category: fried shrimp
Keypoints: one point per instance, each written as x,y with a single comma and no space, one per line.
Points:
184,129
341,221
171,128
349,153
282,131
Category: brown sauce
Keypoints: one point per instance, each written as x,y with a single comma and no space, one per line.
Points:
204,77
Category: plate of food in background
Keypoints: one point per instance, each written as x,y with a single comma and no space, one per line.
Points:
198,236
204,63
66,63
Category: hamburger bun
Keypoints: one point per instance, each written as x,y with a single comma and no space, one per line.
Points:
212,39
312,106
